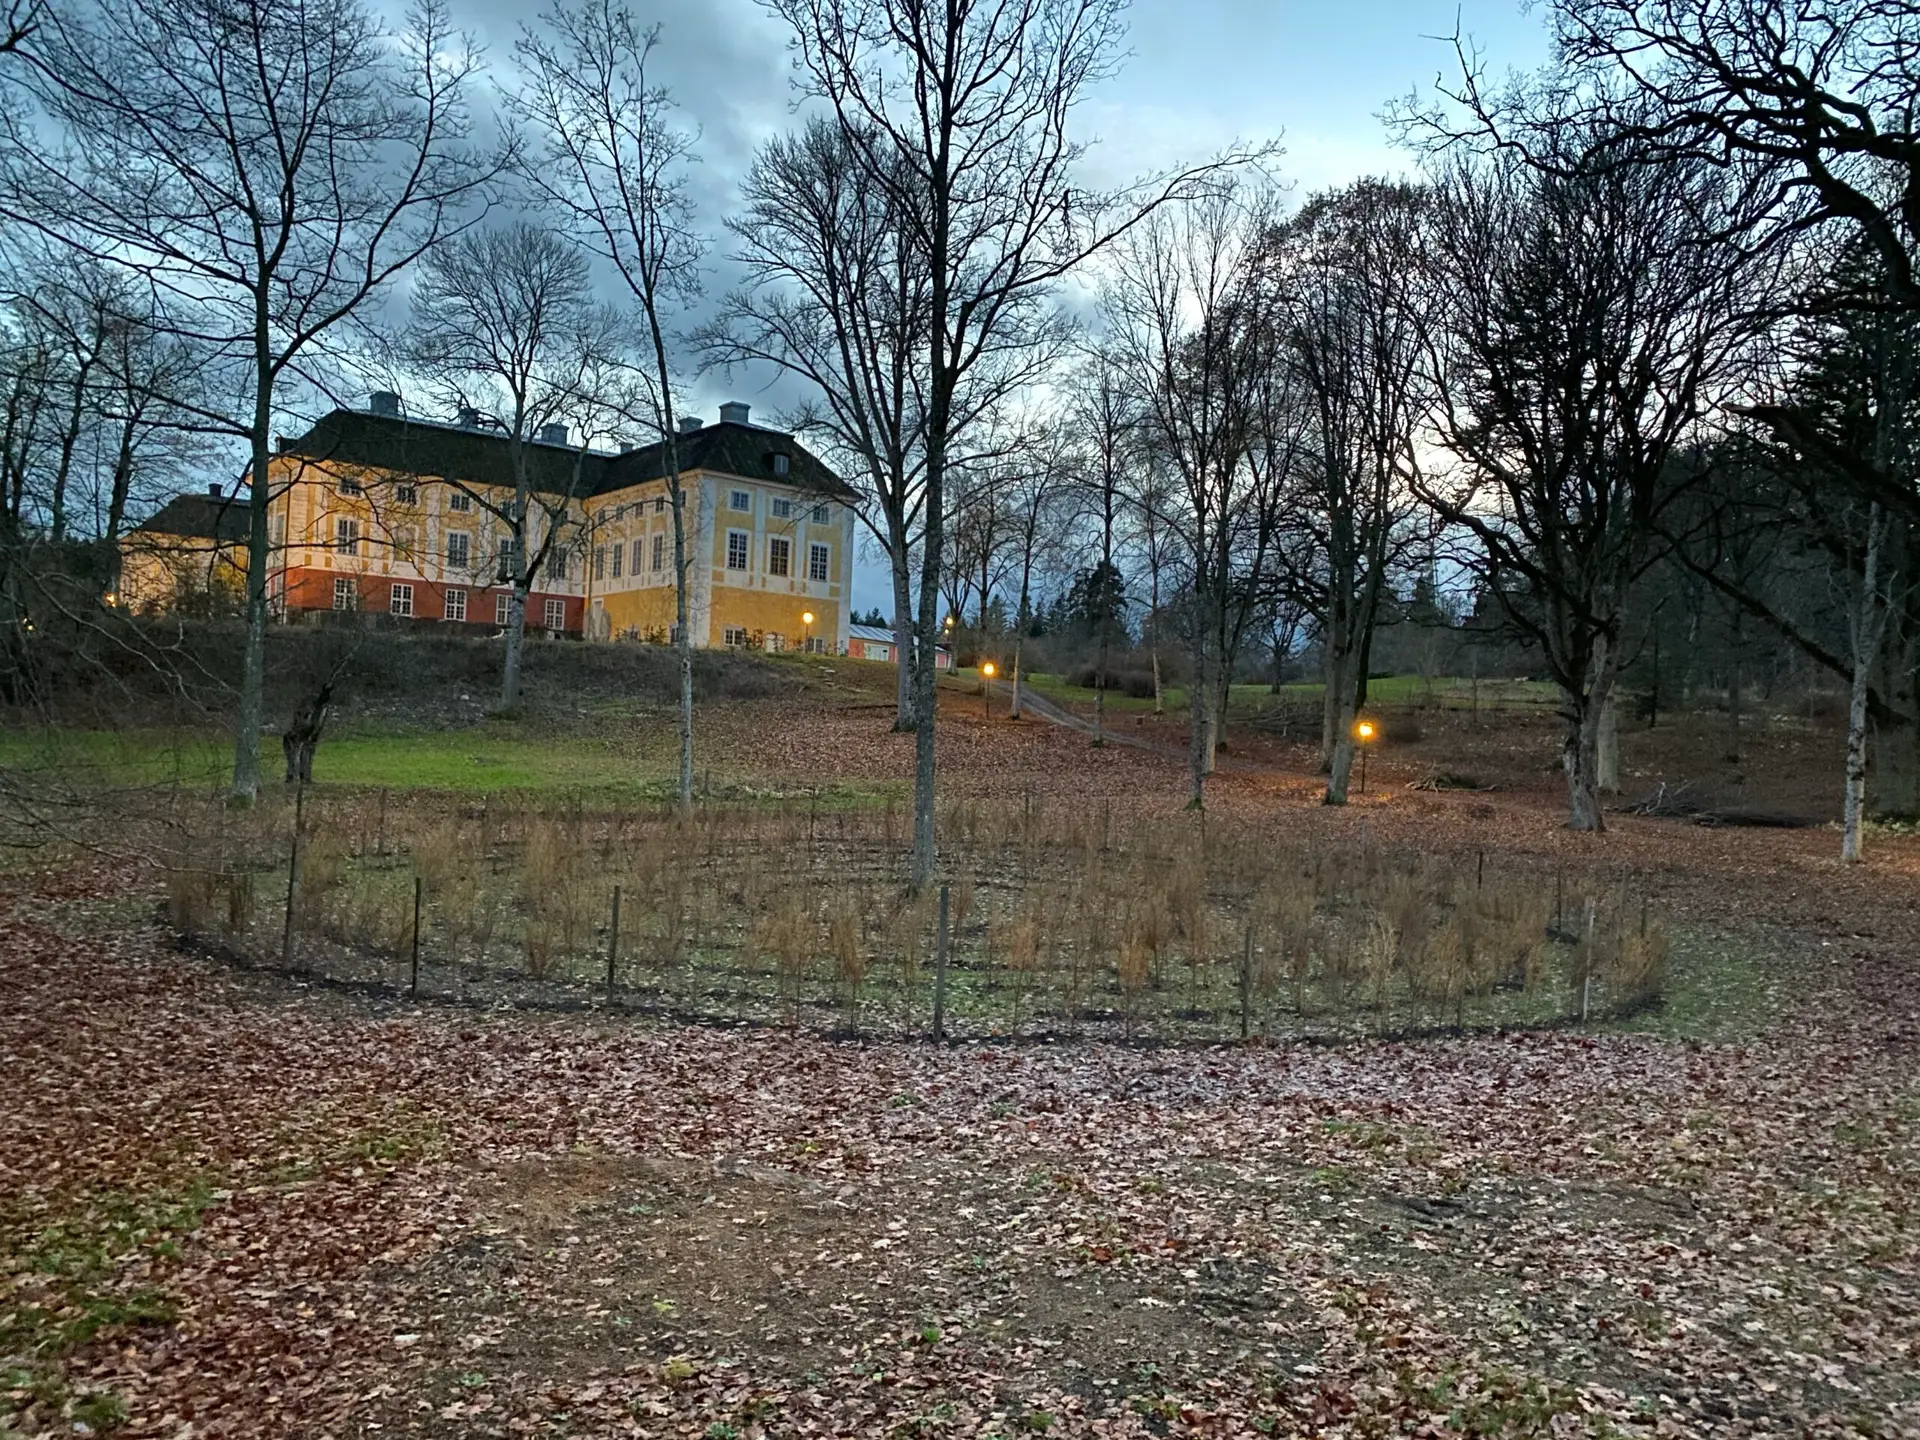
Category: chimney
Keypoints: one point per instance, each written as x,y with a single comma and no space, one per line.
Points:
384,402
689,424
553,434
734,413
214,492
467,417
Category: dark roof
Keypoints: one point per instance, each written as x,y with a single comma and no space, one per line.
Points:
201,517
429,448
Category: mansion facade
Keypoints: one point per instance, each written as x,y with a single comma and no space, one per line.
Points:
375,511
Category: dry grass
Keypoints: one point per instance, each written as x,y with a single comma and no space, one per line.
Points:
1063,917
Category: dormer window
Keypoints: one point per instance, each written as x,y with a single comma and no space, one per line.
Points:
782,463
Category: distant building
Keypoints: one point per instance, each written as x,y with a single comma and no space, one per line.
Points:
374,511
189,557
870,642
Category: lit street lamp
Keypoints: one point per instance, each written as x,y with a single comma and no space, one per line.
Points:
986,698
806,631
1363,732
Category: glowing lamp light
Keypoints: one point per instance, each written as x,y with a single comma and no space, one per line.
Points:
987,670
806,617
1364,730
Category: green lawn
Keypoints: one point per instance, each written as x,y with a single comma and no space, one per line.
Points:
492,757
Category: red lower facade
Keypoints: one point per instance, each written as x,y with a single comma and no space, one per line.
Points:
303,590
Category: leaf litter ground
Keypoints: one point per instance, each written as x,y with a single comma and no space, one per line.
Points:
233,1207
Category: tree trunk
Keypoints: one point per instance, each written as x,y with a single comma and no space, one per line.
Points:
1337,727
515,642
1199,764
1100,689
1159,695
1018,641
253,669
1869,622
1607,746
904,647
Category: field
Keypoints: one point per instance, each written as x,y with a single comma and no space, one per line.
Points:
1489,1160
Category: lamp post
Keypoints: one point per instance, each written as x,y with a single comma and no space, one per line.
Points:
806,632
1363,732
986,697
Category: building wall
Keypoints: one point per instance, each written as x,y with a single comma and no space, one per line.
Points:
407,540
165,572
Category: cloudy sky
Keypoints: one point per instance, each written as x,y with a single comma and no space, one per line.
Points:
1199,74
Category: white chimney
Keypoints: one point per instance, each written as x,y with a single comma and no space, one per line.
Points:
553,434
688,424
734,412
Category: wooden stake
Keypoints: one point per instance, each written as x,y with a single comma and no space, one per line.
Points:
1246,981
413,983
613,944
940,969
293,874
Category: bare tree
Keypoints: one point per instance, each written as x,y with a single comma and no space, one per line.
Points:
1818,98
836,295
506,330
614,160
962,110
1187,323
1106,420
265,166
1588,322
1346,278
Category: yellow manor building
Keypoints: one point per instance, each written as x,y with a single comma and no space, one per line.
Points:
375,511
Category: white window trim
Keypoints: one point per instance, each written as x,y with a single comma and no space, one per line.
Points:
815,550
785,572
452,600
400,591
733,499
746,551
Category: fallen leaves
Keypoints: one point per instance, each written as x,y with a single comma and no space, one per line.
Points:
296,1218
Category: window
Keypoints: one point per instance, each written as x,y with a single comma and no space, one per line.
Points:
740,500
456,605
659,504
351,487
556,614
781,464
346,594
599,562
816,644
509,565
619,553
276,529
735,636
406,494
400,600
459,549
346,535
819,562
736,549
659,551
557,563
459,500
403,543
634,564
879,652
819,514
502,608
776,642
779,555
782,509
